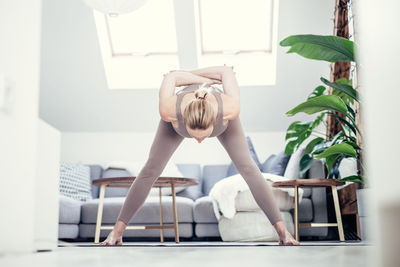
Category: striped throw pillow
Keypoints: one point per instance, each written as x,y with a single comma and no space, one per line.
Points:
75,181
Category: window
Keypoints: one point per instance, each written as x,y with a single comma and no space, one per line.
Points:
139,47
239,33
242,27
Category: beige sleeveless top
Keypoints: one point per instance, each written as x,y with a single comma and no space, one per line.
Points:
218,127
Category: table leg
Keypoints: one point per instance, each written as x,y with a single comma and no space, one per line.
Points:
161,219
337,211
99,213
296,212
175,212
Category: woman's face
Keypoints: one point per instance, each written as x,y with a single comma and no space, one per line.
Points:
200,135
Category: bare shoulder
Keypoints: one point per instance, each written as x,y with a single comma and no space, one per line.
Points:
168,109
231,107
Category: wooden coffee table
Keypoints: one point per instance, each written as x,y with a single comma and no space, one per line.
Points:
126,182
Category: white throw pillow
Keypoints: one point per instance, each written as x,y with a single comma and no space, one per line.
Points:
292,170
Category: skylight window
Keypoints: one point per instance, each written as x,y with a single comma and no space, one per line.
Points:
148,30
239,33
228,26
139,47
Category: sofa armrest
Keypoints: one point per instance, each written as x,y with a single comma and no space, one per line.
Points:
96,172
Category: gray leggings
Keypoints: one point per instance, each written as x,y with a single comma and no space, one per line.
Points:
167,140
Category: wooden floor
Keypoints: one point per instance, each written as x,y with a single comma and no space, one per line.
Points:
309,255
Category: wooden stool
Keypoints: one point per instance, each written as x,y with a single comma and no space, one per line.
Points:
314,182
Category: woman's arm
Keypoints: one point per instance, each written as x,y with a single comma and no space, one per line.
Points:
180,78
214,72
174,79
223,73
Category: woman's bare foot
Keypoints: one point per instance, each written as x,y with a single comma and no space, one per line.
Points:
285,238
115,236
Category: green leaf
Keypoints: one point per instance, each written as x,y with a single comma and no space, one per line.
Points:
349,124
347,89
289,149
317,121
330,160
353,144
305,163
295,128
352,178
319,47
310,146
320,103
317,92
342,148
352,113
296,133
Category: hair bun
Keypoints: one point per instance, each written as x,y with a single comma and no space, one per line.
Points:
201,94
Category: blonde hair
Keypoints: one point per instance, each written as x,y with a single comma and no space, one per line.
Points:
199,113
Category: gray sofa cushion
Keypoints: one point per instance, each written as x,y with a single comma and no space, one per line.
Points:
211,175
69,210
203,211
96,172
276,164
305,210
232,169
70,231
316,171
116,191
207,230
148,213
191,171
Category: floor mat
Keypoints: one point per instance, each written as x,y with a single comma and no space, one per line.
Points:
211,244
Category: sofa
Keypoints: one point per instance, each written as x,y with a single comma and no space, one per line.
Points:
196,218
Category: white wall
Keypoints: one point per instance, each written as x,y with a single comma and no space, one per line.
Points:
47,186
101,148
74,96
19,62
379,39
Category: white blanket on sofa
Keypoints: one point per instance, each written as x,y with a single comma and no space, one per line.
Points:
224,192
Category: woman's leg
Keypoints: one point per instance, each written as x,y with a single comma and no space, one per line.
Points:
234,142
165,143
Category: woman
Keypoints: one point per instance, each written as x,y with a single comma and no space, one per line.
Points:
199,111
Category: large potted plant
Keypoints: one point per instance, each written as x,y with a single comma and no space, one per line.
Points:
340,104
